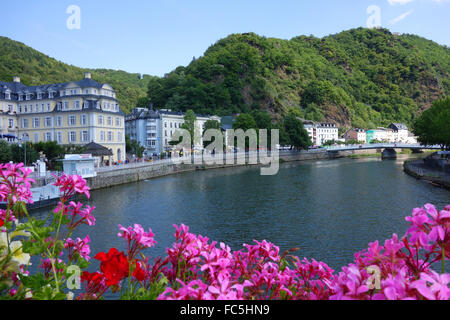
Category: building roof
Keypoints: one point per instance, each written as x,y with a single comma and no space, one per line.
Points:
97,150
398,126
16,87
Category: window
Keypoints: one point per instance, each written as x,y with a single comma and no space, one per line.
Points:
72,136
102,135
36,122
100,120
7,96
77,104
36,137
24,123
48,122
39,95
110,136
48,136
72,120
20,108
66,105
86,91
119,136
84,136
37,107
83,120
31,108
117,122
28,97
165,133
109,121
25,108
11,123
20,97
50,94
42,107
58,121
48,106
59,138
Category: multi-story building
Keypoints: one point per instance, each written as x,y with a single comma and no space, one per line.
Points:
320,133
401,131
379,134
155,129
143,125
356,134
77,112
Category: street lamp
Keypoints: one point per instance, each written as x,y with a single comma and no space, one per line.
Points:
25,145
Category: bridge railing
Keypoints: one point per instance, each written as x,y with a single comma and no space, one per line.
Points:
382,146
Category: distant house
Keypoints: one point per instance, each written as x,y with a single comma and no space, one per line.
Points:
322,132
379,134
401,130
355,134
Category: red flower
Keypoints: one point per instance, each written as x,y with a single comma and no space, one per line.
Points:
114,265
139,273
95,278
1,223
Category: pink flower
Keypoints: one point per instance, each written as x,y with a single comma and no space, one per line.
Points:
70,185
79,246
438,290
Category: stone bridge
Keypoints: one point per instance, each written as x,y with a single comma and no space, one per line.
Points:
388,148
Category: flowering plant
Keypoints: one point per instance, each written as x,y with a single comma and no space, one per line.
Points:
196,268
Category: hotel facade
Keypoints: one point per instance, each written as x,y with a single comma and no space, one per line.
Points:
154,129
73,113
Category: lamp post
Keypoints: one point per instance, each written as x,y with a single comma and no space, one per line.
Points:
25,145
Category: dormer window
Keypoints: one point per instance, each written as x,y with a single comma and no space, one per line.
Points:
39,95
86,91
8,96
50,94
20,97
28,96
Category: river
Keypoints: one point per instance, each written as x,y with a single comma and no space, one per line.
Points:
328,209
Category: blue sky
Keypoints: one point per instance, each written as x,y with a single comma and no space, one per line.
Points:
156,36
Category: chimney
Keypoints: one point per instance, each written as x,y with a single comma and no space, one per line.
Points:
16,79
87,75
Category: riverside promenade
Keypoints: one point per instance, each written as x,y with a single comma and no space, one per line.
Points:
134,172
420,170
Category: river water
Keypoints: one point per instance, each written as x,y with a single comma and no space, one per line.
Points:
328,209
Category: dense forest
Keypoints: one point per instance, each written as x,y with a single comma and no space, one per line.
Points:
35,68
361,78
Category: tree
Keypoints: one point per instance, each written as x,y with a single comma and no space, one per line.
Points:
5,152
18,153
52,151
189,124
245,122
297,135
432,128
211,124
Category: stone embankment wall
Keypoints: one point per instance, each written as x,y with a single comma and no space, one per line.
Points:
419,170
125,175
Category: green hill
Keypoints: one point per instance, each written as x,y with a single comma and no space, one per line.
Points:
35,68
359,77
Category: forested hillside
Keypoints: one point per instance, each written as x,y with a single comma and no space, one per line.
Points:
35,68
359,77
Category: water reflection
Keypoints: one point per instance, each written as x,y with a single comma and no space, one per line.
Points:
329,209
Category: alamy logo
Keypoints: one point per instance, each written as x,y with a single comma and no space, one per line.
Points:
74,20
374,20
73,282
234,147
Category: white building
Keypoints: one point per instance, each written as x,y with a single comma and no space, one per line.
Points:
320,133
79,164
